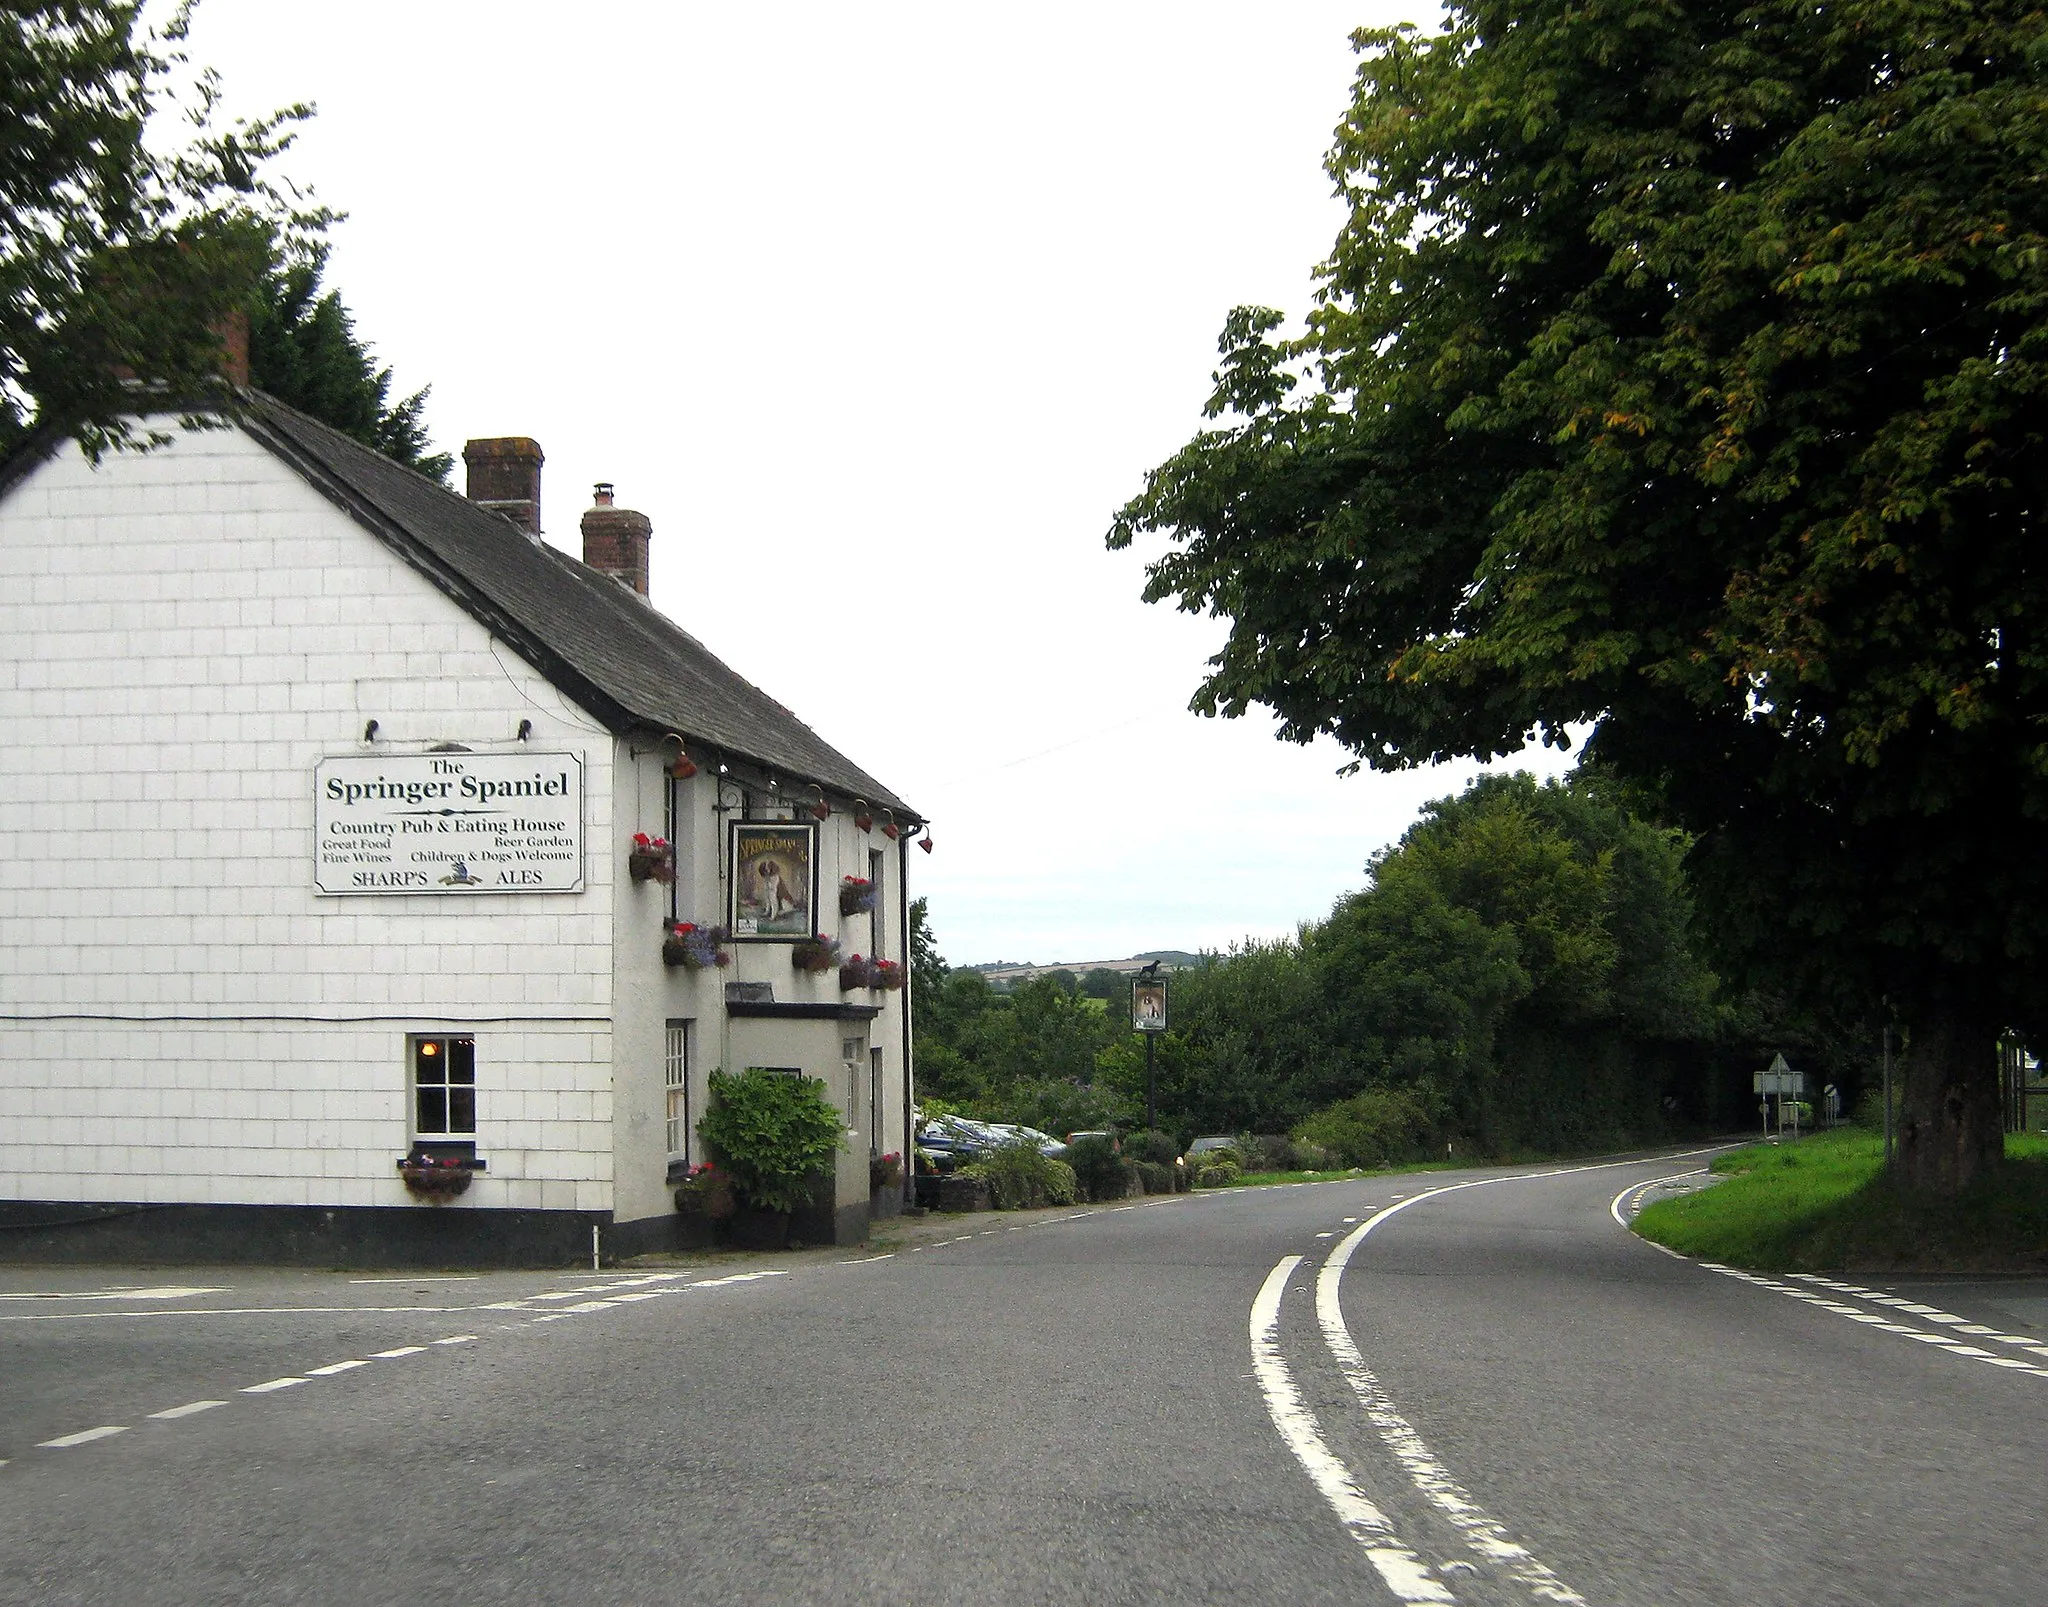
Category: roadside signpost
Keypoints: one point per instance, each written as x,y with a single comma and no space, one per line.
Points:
1148,1016
1779,1081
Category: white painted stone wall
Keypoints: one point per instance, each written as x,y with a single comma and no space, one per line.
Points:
183,635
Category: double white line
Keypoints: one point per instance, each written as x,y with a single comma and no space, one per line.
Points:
1399,1567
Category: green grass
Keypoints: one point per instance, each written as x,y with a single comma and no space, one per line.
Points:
1824,1203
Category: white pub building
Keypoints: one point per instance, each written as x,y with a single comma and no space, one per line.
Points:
379,885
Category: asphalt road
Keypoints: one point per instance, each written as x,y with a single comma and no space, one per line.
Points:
1490,1394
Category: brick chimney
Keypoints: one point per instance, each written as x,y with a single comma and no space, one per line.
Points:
504,476
615,540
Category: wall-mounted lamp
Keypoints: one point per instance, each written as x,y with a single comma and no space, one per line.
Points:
863,816
683,767
889,826
819,807
370,732
525,730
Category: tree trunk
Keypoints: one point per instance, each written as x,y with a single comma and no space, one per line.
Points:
1950,1133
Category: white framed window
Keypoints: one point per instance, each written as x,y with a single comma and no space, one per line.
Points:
878,917
443,1085
676,1078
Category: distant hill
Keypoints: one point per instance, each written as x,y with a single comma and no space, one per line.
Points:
1003,972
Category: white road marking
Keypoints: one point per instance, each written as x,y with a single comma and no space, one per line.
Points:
64,1442
1938,1339
1614,1205
168,1291
189,1409
334,1367
392,1355
581,1305
1404,1573
273,1384
457,1339
1484,1534
439,1277
640,1294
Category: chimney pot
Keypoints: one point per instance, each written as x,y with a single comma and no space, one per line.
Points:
504,476
615,540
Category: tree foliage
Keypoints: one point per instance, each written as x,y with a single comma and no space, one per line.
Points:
303,350
1518,976
120,262
1678,371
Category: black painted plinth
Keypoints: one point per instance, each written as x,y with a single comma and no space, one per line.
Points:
57,1231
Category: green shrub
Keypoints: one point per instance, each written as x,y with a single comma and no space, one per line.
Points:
1100,1171
1212,1173
1153,1146
1376,1127
1157,1176
1021,1179
1310,1157
773,1132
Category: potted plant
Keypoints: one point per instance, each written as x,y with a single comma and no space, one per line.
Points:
885,974
816,953
653,859
437,1177
773,1134
885,1172
707,1191
695,948
855,973
856,896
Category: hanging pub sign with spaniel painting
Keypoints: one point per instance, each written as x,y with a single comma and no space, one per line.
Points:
773,876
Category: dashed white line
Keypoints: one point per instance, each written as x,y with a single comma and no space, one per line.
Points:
189,1409
64,1442
1939,1339
334,1367
457,1339
1403,1572
272,1385
393,1355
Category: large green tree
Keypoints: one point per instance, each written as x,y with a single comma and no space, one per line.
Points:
121,258
1678,372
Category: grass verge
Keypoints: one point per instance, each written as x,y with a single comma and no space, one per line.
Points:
1825,1203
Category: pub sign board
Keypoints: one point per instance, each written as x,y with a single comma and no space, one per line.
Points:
449,823
774,881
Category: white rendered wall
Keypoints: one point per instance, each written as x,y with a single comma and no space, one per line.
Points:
183,635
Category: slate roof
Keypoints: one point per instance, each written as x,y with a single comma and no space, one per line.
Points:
602,644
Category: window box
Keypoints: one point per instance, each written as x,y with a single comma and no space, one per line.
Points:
855,973
885,974
438,1171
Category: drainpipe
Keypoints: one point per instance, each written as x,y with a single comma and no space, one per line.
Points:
908,1184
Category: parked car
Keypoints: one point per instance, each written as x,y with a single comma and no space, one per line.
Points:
1018,1133
954,1141
1205,1146
1115,1143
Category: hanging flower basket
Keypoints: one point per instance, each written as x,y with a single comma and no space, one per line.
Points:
695,948
653,859
819,953
437,1177
885,974
855,973
885,1171
856,896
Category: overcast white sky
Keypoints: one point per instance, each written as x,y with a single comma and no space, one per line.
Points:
878,313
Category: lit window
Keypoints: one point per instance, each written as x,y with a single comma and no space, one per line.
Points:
444,1087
